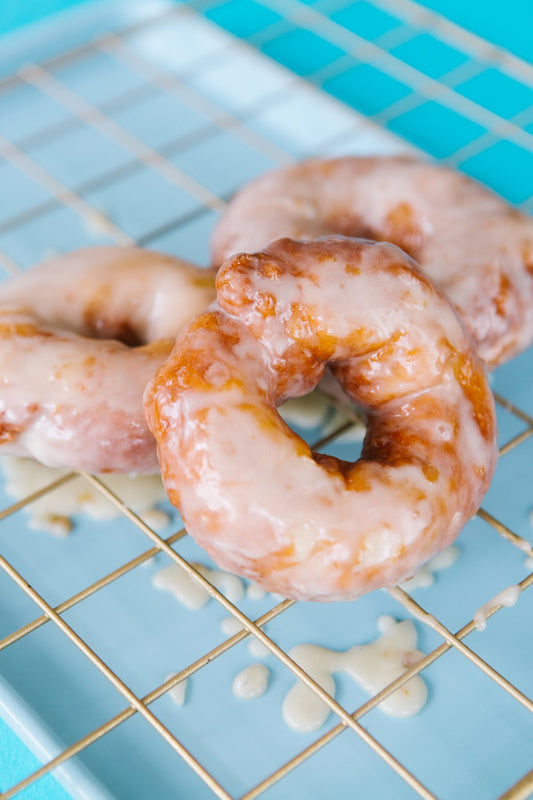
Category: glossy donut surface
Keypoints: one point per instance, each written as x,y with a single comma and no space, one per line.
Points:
474,244
251,492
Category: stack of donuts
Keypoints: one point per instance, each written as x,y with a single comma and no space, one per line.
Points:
407,281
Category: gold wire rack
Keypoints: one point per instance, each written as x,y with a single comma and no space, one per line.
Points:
43,77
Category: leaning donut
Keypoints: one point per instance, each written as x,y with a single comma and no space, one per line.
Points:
478,248
80,336
251,492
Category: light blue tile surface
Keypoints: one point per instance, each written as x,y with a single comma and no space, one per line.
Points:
79,23
79,155
190,240
222,163
302,121
240,81
178,45
98,77
27,112
159,118
19,192
55,231
142,201
466,706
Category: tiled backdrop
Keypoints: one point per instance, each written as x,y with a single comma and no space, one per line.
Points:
139,138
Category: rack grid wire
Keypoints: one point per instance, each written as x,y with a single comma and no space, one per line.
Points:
171,115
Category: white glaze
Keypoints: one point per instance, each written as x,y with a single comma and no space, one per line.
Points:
254,591
424,577
230,626
472,242
251,492
155,518
189,593
251,682
53,512
372,666
177,693
257,649
507,597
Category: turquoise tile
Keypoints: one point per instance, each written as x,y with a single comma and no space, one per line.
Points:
510,27
505,166
497,92
436,129
14,15
314,2
429,55
366,88
302,51
18,762
366,20
243,17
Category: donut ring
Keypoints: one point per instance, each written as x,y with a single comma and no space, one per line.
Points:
477,247
251,492
80,336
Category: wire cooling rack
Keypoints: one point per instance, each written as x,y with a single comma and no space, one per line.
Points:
140,132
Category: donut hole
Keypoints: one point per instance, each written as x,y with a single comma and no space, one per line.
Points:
122,330
331,423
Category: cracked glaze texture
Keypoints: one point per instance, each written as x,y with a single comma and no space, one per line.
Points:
478,248
251,492
80,336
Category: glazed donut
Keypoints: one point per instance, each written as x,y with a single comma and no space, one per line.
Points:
251,492
478,248
80,336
